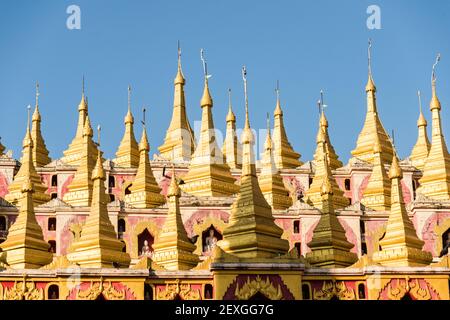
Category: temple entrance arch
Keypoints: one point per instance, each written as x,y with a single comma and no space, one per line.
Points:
144,231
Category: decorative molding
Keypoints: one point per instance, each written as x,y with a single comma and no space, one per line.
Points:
408,286
98,288
24,290
332,289
265,287
176,289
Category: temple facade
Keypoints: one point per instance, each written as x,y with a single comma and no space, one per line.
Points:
198,222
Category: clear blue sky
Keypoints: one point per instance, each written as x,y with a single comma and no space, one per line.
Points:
307,45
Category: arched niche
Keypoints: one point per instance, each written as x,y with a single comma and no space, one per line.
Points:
218,224
441,232
151,227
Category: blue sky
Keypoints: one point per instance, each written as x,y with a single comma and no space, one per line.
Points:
307,45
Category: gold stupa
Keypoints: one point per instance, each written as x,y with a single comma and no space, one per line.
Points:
179,143
400,245
270,180
27,171
232,149
420,151
40,152
145,191
172,249
127,155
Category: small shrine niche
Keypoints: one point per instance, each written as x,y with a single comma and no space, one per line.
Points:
209,239
145,243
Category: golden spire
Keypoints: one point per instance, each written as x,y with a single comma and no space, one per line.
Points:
313,194
284,155
377,194
329,245
270,180
208,173
25,246
127,154
435,182
372,126
232,149
251,232
420,151
79,191
400,247
73,155
172,248
179,143
40,152
98,246
145,191
27,171
333,158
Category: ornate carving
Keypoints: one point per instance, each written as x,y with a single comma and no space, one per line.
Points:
59,262
24,290
175,289
396,290
251,287
332,289
98,288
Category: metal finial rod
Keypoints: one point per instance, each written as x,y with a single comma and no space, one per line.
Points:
319,106
82,86
420,101
268,122
433,73
28,119
129,97
369,56
37,93
277,90
99,129
393,137
143,115
229,97
205,66
244,77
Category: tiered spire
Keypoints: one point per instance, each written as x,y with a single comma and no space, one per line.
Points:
270,180
313,194
25,246
127,154
79,191
400,246
232,149
284,155
40,152
333,158
435,182
377,194
27,171
172,249
74,153
372,126
420,151
329,245
145,191
208,173
179,143
98,246
252,232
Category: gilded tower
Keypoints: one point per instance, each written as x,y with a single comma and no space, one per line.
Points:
98,246
372,127
435,182
329,245
40,152
420,151
179,143
127,155
208,173
284,155
27,171
232,149
400,245
251,232
173,249
145,191
270,180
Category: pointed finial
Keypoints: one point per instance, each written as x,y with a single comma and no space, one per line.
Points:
179,53
435,103
37,93
268,122
369,57
205,66
433,73
99,129
277,90
28,119
229,99
244,78
82,86
143,116
129,97
421,121
420,101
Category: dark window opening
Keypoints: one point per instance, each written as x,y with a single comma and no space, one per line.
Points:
124,248
306,292
379,241
112,197
310,181
127,189
111,182
208,291
121,225
297,226
361,291
148,292
2,223
52,248
54,180
363,248
415,185
51,224
53,195
53,292
298,247
445,243
347,184
362,227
